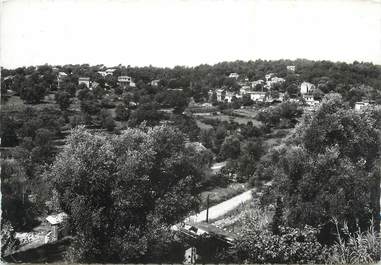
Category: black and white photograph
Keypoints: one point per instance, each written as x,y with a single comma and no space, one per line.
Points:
190,131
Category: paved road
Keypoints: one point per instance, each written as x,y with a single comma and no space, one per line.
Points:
221,209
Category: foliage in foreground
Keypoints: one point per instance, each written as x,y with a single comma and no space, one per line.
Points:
261,243
291,245
329,167
355,248
122,193
258,243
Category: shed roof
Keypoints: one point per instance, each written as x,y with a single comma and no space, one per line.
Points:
56,218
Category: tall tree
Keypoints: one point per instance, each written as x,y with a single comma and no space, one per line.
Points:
328,168
123,192
63,99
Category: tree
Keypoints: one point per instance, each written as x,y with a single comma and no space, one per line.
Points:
318,94
91,107
292,89
84,93
207,138
247,162
278,217
99,91
230,148
63,99
172,99
246,100
122,193
146,112
32,92
274,94
286,111
250,131
16,208
76,120
106,120
69,87
328,169
214,98
9,242
122,113
43,149
8,131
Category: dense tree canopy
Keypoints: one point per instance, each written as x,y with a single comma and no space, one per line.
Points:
123,192
328,168
32,83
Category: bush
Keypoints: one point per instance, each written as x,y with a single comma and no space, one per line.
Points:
76,120
107,103
122,113
292,245
63,99
359,247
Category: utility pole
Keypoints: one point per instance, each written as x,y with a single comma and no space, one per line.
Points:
207,209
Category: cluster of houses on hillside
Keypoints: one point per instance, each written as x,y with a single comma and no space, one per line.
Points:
251,89
123,80
258,90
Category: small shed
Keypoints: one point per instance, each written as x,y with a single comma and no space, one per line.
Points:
56,221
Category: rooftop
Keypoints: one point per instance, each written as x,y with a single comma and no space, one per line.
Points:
56,218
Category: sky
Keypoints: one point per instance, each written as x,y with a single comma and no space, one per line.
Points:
187,32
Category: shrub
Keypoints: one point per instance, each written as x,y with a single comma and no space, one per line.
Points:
121,112
107,103
292,245
354,248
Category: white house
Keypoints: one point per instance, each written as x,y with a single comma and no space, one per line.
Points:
229,96
310,101
291,68
125,81
308,97
234,75
155,83
257,95
110,71
306,87
102,73
274,80
84,80
257,82
269,76
244,89
277,79
60,77
361,105
219,93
